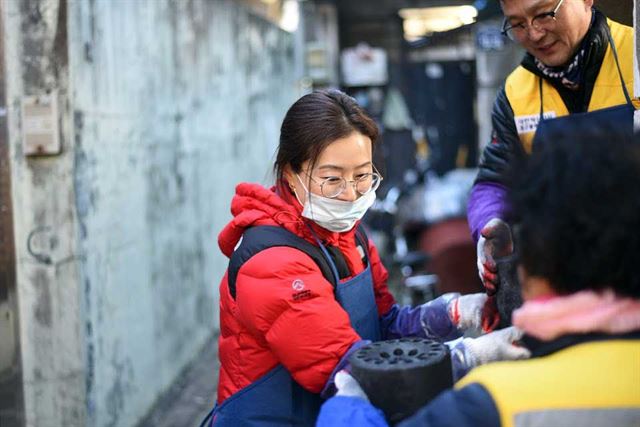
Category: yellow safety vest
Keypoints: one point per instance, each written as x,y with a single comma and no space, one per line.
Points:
522,87
590,384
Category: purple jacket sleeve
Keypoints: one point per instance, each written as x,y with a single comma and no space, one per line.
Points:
487,200
429,320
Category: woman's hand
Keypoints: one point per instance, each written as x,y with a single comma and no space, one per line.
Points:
348,386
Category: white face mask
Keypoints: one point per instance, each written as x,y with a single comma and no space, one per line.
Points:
335,215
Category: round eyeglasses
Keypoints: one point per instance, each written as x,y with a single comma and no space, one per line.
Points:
334,186
542,22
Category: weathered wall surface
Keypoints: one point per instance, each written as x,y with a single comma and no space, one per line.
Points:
167,105
51,339
173,103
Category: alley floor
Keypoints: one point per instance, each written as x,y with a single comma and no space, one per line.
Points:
191,397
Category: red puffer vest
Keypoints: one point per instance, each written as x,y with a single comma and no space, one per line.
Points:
268,323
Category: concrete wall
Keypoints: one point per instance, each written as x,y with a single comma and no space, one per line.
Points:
166,105
48,287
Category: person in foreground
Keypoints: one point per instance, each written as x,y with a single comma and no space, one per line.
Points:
579,248
305,287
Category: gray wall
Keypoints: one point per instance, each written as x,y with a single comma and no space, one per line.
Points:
166,105
49,298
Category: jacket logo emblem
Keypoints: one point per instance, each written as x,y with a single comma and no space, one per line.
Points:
297,285
299,292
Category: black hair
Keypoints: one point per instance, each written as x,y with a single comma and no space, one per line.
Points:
577,203
313,122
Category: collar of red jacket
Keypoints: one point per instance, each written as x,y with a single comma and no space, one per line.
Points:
255,205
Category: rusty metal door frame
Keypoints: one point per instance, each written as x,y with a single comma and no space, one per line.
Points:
11,394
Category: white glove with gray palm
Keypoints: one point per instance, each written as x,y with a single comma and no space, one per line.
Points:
495,346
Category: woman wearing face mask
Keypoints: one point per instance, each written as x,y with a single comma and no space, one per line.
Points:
305,287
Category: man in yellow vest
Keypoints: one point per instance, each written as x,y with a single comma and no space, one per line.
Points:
579,244
577,74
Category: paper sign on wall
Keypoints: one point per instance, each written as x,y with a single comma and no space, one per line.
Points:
40,130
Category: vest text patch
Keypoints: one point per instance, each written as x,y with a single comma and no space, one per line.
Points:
529,123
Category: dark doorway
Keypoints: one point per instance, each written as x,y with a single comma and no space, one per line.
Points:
441,101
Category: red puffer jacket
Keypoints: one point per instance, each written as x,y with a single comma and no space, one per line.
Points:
264,326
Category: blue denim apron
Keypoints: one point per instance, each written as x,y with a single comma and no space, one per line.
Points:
616,120
276,399
357,298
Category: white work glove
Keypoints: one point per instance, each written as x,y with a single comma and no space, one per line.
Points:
495,242
495,346
467,313
348,386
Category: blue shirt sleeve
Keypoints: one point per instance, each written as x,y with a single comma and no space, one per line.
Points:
471,406
347,411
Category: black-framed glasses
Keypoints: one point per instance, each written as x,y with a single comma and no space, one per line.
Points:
543,21
334,186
